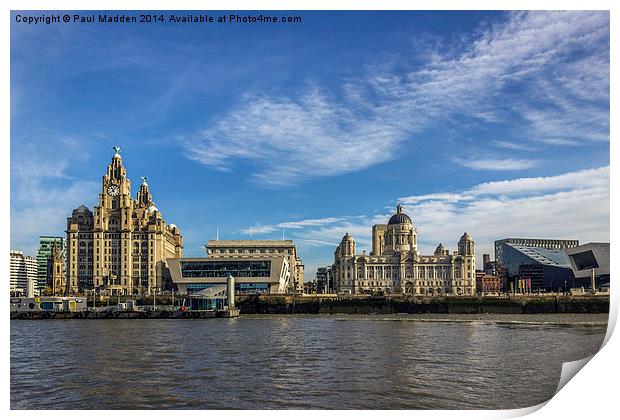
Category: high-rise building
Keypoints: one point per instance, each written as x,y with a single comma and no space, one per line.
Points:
121,247
22,269
323,280
259,248
396,266
46,246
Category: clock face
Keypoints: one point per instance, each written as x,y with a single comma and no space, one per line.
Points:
113,190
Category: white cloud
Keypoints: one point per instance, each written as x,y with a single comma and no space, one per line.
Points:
588,178
299,224
295,139
514,145
536,68
505,164
43,193
572,205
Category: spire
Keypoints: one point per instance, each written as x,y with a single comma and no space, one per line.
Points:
116,170
145,199
399,209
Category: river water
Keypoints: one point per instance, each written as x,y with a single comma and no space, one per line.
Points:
297,362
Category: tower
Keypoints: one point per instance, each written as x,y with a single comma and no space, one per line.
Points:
400,235
121,247
56,279
466,250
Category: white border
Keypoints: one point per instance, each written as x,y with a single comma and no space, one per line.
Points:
590,394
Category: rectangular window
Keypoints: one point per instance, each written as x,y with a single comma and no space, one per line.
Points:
223,268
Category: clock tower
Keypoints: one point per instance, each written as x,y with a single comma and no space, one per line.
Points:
125,249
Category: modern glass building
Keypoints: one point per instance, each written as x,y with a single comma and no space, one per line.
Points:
46,243
543,269
265,275
556,244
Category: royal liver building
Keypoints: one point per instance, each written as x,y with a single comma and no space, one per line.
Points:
122,247
394,265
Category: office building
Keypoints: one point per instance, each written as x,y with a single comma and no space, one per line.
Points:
259,249
543,269
263,275
588,261
48,245
395,265
323,280
553,244
122,247
23,269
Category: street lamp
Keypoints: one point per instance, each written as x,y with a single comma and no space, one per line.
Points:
564,286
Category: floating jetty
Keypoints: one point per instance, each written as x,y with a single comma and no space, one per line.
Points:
61,307
120,314
202,305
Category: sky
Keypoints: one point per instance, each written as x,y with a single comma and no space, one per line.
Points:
493,123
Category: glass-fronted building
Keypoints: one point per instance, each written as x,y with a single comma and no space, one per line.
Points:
552,244
46,245
252,276
543,269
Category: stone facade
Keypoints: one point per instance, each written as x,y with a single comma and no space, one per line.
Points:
258,248
56,276
395,266
121,247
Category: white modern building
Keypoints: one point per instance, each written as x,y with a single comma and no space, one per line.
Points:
259,249
23,268
590,260
266,275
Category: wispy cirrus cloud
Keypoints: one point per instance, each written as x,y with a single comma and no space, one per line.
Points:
532,72
500,164
511,145
573,205
43,192
299,224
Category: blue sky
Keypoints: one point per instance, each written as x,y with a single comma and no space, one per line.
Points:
494,123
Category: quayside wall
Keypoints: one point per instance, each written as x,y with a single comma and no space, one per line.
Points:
439,305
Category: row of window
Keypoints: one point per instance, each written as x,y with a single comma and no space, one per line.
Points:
250,251
250,268
239,287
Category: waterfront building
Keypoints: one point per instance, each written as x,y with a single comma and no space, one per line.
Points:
23,269
488,283
310,287
395,266
323,283
554,244
542,269
258,249
264,275
122,247
591,259
44,252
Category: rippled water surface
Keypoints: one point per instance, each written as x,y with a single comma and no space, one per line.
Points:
258,362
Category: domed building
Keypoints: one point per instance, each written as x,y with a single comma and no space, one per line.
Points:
395,266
